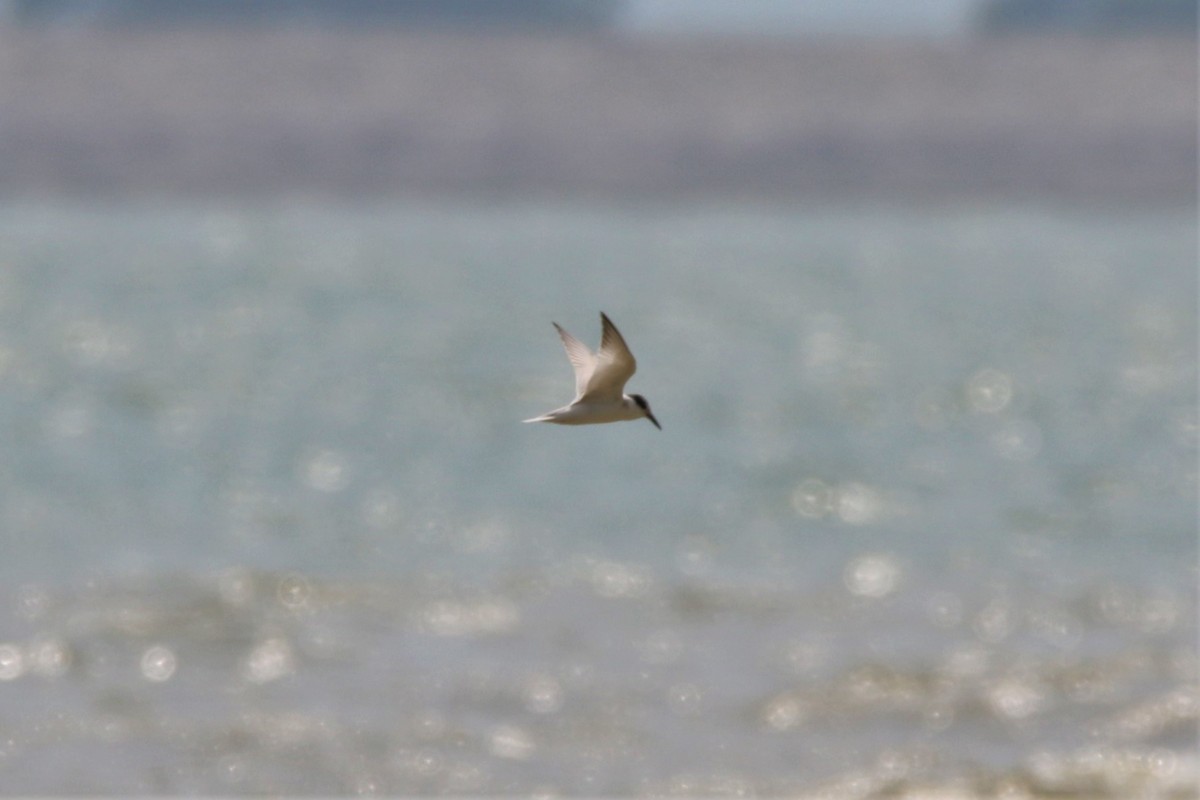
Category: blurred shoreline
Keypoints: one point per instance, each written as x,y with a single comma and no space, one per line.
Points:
345,114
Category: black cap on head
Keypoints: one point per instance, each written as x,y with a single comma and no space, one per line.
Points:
645,407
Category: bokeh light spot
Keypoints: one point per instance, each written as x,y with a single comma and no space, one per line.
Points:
783,712
326,471
543,695
872,575
1015,698
511,742
294,591
49,657
158,664
812,498
613,579
269,661
12,662
1018,440
989,391
858,504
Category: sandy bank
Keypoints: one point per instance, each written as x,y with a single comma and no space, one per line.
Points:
359,114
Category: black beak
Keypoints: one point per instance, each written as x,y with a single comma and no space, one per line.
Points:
650,417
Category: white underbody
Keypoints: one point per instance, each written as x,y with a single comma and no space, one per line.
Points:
583,413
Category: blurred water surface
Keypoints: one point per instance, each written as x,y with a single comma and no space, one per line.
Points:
922,514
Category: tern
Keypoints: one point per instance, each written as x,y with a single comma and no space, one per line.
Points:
600,380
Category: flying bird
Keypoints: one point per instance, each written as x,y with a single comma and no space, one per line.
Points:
600,380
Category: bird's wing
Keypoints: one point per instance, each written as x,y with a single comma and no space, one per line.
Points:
580,357
614,366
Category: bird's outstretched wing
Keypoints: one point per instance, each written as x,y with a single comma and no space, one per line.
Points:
580,357
612,368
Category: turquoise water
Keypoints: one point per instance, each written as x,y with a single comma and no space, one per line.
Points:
922,513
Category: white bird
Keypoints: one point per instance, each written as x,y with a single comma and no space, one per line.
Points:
600,382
